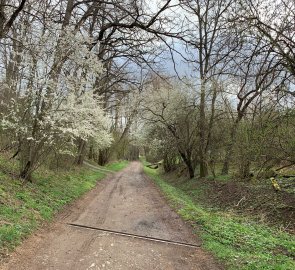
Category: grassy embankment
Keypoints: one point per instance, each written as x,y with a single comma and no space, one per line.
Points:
239,242
24,207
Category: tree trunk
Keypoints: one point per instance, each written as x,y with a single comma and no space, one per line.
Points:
26,172
91,152
168,162
103,157
188,164
190,170
202,132
244,170
230,146
81,152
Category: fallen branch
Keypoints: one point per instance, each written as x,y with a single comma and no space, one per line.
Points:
243,198
285,166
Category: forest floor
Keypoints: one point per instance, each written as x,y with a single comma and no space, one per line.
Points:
259,201
243,233
123,219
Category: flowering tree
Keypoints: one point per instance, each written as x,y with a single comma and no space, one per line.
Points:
54,111
171,112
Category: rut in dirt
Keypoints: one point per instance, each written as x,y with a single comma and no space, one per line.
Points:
124,223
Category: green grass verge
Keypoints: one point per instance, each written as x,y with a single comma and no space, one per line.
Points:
239,242
117,166
24,207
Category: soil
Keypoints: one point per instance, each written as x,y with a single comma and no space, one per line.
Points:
127,202
261,201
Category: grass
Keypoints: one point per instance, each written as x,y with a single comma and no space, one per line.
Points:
24,207
237,241
220,178
116,166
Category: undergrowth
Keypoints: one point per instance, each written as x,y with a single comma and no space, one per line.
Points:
239,242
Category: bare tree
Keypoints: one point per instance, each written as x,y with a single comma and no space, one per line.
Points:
277,28
8,14
255,69
211,43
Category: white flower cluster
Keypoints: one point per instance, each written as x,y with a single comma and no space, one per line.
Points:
82,117
51,109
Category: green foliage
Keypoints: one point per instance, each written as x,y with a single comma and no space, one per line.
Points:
239,242
24,207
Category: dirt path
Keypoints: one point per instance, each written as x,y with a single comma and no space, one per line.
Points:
127,202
